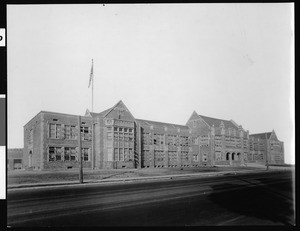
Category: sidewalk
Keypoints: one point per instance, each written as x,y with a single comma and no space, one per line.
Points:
131,179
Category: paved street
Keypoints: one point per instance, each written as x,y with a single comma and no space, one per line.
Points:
263,198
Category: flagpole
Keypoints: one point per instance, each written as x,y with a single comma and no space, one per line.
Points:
93,87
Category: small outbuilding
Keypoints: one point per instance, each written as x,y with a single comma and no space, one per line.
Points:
15,158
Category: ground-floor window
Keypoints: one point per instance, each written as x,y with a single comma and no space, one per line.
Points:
218,156
146,155
159,156
195,157
121,154
55,153
204,157
172,156
67,154
70,154
85,154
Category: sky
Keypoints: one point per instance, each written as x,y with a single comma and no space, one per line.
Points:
227,61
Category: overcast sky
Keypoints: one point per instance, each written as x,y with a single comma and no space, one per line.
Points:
228,61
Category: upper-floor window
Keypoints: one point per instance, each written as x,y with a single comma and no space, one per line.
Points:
55,130
158,139
30,138
85,133
70,132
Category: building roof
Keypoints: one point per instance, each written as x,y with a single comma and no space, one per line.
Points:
103,113
161,124
261,135
216,122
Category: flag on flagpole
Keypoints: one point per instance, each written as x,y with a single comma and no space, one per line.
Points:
91,75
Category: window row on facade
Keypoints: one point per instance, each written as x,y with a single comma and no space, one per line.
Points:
67,154
171,140
70,132
120,154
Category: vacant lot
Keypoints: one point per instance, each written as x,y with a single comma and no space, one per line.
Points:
28,177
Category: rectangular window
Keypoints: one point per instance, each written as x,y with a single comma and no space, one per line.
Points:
159,156
195,157
184,141
146,139
54,131
55,154
85,154
131,155
70,132
67,154
30,139
67,132
204,157
85,133
126,154
73,154
116,154
158,139
184,156
121,154
58,154
51,154
218,156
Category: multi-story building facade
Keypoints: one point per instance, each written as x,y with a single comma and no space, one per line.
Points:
115,139
266,148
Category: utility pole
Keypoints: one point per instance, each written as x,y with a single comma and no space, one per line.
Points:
267,149
79,151
93,154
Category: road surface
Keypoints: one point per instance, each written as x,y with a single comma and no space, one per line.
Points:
263,198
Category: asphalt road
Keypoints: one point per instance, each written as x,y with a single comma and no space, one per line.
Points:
242,199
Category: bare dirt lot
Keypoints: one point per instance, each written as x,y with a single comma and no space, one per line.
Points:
31,177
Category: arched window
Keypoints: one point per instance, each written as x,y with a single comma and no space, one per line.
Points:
233,156
227,155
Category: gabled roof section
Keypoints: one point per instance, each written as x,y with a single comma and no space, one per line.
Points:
263,135
194,116
120,104
216,122
33,118
273,135
103,113
161,124
91,114
87,113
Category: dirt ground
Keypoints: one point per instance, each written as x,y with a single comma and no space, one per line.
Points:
28,177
